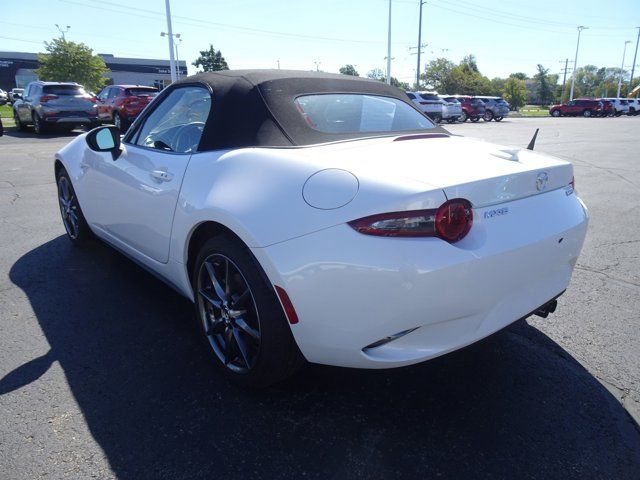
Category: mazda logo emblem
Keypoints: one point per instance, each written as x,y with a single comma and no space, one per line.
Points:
542,180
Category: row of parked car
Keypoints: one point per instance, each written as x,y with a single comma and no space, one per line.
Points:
596,107
67,105
8,97
453,108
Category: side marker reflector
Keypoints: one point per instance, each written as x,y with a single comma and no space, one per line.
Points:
289,311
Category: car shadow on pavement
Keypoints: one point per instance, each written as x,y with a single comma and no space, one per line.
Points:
31,135
515,405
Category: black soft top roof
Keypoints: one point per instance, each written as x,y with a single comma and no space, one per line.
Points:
256,107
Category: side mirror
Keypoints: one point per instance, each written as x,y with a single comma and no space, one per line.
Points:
105,139
17,96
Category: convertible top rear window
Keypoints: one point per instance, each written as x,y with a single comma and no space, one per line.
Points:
359,113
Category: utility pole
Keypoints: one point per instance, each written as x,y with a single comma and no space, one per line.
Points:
278,64
564,78
624,52
172,62
419,68
633,67
389,48
317,65
63,31
177,56
575,62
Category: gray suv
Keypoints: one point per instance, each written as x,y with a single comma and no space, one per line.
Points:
495,108
45,104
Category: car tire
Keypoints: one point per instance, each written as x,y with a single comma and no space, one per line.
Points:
556,113
463,117
255,348
76,226
498,119
38,124
586,113
120,122
475,119
19,125
436,117
488,116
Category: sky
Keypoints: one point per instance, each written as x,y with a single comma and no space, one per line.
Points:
505,36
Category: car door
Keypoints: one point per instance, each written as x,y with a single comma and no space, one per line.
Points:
132,199
101,104
21,106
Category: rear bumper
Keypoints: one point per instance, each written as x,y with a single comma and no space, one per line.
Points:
352,290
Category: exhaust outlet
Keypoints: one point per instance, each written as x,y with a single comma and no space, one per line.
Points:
546,309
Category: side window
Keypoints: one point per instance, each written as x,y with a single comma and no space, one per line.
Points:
112,93
103,94
25,94
411,96
176,124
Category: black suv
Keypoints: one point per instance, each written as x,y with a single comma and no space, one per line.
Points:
44,104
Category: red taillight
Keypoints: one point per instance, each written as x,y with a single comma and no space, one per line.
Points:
46,98
454,220
290,312
451,222
424,103
91,99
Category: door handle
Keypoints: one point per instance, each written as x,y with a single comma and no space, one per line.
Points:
161,175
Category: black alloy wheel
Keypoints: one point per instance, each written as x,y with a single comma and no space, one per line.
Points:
78,230
242,320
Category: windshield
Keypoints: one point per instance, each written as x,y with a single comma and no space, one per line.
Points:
359,113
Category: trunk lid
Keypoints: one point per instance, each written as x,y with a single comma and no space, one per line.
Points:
483,173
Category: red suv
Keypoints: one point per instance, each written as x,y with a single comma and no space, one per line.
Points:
608,108
587,107
121,104
472,108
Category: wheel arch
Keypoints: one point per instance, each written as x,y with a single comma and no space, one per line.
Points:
199,235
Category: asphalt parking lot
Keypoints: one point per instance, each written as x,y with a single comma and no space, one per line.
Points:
103,376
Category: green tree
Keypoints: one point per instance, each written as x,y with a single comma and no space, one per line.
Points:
67,61
349,70
211,60
519,75
497,86
469,64
437,73
465,80
544,89
515,92
378,74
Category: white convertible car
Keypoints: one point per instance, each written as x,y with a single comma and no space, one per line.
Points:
323,217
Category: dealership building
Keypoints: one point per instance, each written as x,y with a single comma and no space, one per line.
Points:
18,68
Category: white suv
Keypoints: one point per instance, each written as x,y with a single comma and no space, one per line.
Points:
430,103
620,105
634,106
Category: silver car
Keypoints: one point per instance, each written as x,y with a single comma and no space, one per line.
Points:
452,109
44,104
4,98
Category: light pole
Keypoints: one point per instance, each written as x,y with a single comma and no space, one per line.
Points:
172,63
63,31
389,48
633,67
422,2
575,62
179,42
174,59
316,63
624,52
